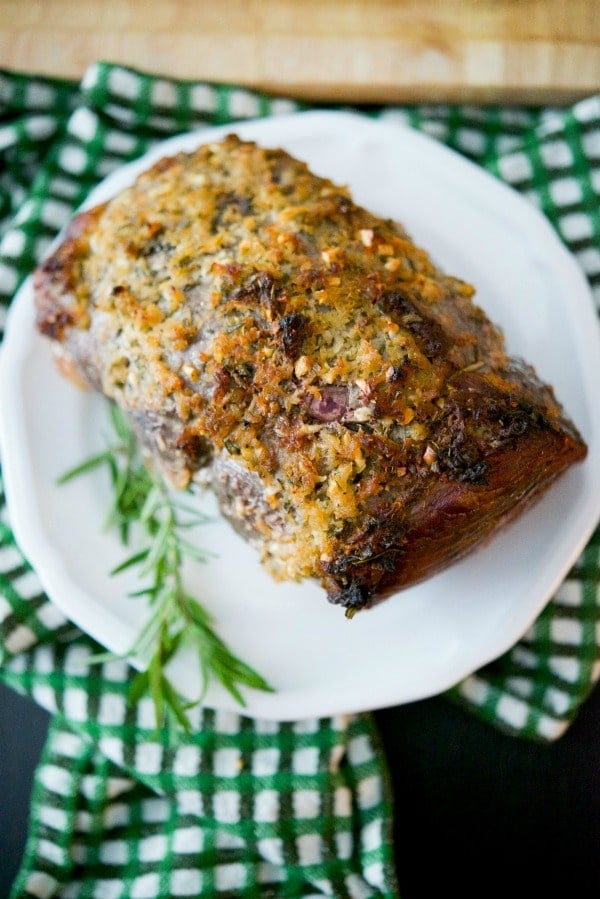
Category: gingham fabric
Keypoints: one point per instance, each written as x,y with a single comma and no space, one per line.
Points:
244,807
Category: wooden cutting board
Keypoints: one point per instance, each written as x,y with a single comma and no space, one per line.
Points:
330,50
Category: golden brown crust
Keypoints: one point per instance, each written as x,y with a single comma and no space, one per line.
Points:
59,283
240,308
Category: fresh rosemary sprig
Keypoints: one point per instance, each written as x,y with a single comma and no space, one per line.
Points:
140,500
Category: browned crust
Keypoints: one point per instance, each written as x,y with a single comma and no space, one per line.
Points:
447,521
235,304
57,283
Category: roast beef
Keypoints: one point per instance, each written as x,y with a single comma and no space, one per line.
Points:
353,408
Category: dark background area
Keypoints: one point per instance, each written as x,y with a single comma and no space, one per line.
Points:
477,814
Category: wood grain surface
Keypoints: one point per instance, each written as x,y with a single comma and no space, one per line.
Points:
336,50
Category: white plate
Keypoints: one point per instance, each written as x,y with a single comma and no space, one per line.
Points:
417,643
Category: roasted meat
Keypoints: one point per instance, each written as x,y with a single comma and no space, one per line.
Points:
354,410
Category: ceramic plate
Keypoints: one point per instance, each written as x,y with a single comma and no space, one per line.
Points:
425,639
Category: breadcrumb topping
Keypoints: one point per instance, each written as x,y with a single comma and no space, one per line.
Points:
246,310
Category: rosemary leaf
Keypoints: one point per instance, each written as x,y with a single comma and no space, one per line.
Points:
89,465
138,687
135,559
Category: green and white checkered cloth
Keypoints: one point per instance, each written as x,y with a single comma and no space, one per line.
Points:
243,807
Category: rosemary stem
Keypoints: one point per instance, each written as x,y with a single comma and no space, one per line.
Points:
140,498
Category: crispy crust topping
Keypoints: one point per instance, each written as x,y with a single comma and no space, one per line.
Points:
238,306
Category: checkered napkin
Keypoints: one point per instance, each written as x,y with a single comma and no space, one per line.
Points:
244,807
